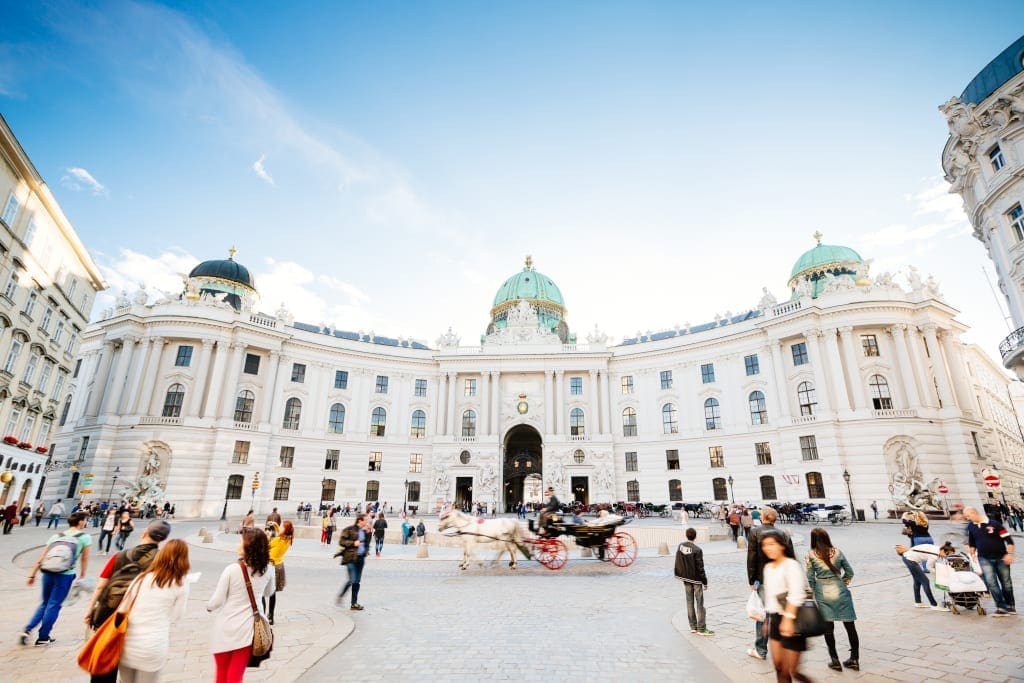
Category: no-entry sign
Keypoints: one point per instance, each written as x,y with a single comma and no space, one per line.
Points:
943,489
992,480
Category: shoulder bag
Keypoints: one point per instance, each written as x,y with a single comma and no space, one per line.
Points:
102,652
262,634
809,622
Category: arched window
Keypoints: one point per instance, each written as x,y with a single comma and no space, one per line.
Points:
720,490
418,428
282,485
880,395
243,406
633,491
629,422
768,487
758,410
806,397
712,414
372,490
669,422
292,414
815,486
235,482
378,422
336,420
469,423
675,490
327,489
577,426
173,400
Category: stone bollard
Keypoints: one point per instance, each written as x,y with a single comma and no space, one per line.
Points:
207,538
421,552
586,552
741,543
663,548
202,531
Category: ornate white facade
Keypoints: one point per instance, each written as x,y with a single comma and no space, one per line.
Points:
850,374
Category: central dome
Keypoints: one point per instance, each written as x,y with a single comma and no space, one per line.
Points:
225,277
824,256
540,292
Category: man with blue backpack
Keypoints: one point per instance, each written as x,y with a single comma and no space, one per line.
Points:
57,563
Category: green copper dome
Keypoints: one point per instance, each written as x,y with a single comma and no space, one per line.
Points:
530,285
824,255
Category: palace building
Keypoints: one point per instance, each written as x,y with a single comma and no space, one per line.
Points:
852,388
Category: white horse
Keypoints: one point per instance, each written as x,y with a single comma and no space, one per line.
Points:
504,534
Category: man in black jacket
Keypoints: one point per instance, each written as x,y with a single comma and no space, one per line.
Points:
690,570
755,574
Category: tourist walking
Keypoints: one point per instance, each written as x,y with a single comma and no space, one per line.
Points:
380,527
353,545
734,523
10,517
324,522
26,512
280,544
829,573
332,524
746,521
421,533
107,531
690,570
913,558
249,521
755,574
57,563
162,595
231,635
40,512
56,512
783,578
274,517
874,508
124,529
992,547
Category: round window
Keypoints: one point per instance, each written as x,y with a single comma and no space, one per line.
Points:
579,456
464,457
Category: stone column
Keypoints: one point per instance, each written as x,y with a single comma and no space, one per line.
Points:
136,373
560,416
955,359
917,354
216,381
813,338
853,367
906,367
594,410
605,399
150,396
485,405
227,403
453,387
496,401
202,369
549,408
440,402
270,389
838,384
99,385
939,366
781,388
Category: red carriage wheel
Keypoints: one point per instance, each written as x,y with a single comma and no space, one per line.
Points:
620,549
551,553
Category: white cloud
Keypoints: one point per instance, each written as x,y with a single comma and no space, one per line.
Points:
76,177
355,295
942,210
261,171
130,269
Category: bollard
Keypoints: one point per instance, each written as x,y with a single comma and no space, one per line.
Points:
586,552
741,543
421,552
202,531
663,548
207,538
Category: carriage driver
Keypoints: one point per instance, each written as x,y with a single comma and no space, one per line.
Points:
551,508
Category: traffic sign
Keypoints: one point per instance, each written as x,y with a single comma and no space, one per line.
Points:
992,481
85,492
943,489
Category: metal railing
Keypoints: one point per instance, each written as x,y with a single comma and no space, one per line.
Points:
1012,343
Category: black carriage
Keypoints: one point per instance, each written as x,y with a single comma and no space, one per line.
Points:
610,544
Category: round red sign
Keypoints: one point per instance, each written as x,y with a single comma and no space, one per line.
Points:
943,489
992,481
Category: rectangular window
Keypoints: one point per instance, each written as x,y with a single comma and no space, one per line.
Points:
30,369
631,461
234,492
282,486
470,387
252,364
240,456
84,447
575,386
59,384
12,285
10,210
78,368
372,490
633,491
717,456
672,459
869,343
12,422
627,384
30,305
30,233
1016,218
763,452
995,155
287,459
666,379
12,357
809,447
707,373
44,376
332,459
375,461
414,492
799,353
752,365
26,429
977,444
58,334
420,388
44,324
382,384
184,357
72,286
299,372
415,462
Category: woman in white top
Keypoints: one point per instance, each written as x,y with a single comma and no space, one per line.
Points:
162,595
231,640
783,577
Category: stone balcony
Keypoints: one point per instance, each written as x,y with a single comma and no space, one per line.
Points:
1011,350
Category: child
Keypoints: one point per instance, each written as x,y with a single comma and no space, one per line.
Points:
690,570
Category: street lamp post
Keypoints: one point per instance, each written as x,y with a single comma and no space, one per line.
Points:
113,483
731,494
255,488
405,498
846,478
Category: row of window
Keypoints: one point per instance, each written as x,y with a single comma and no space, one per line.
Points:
24,433
37,363
720,492
332,458
716,454
328,489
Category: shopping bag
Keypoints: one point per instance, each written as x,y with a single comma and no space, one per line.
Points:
755,608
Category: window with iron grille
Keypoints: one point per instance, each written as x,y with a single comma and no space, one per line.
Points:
287,457
633,491
631,461
809,447
672,459
240,455
763,453
716,455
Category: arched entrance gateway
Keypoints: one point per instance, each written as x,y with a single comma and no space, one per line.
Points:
522,468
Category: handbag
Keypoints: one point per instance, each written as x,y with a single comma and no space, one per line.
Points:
809,622
102,652
262,634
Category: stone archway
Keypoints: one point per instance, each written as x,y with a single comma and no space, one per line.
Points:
522,465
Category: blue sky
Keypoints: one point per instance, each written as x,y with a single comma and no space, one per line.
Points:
386,166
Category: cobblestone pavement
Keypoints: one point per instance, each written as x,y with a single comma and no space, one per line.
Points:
428,621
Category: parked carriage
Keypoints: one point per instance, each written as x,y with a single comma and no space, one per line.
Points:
605,539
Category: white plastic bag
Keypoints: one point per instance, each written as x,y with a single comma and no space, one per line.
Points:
755,608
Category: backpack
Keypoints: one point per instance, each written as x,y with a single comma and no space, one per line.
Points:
420,529
60,555
734,519
132,564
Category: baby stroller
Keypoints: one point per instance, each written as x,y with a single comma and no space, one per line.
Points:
955,576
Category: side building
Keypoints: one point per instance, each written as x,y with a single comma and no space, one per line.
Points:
854,389
49,284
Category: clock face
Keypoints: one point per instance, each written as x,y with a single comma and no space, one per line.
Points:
523,407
